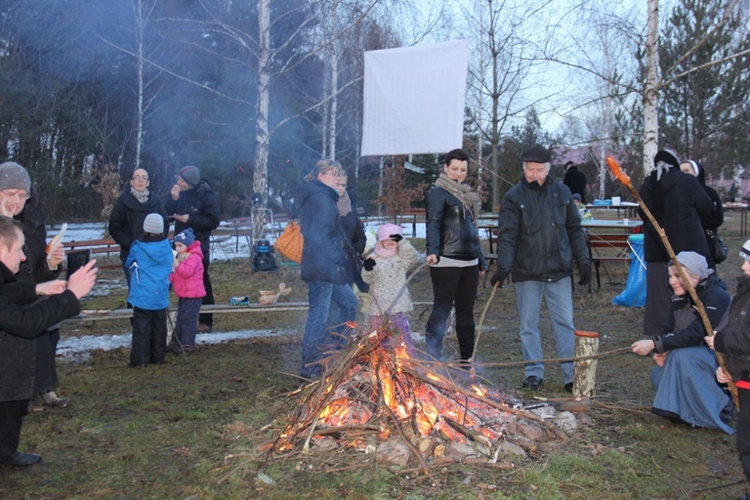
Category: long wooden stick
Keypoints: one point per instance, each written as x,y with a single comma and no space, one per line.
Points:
473,371
623,178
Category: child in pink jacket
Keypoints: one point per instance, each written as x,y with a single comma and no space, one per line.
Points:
187,281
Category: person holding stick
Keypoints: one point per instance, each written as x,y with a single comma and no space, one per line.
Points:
539,238
684,373
733,339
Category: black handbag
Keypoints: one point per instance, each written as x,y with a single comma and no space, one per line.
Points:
718,247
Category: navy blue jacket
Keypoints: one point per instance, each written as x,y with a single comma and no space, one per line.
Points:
201,205
324,255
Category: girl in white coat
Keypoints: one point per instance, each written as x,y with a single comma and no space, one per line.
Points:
385,271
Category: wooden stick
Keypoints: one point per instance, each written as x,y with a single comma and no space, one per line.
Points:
623,178
473,371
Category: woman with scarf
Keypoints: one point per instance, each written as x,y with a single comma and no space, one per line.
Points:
686,388
677,201
454,254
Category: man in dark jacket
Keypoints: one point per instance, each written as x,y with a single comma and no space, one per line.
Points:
575,180
129,212
19,325
325,265
539,237
193,205
677,201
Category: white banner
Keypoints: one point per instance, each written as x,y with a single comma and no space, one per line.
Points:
414,99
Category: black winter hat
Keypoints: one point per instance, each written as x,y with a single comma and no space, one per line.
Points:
537,154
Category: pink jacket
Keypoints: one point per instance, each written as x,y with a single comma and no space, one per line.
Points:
187,278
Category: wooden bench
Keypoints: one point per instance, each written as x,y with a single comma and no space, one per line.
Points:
416,215
104,246
605,248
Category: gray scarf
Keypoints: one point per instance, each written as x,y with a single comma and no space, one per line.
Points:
142,197
471,201
344,204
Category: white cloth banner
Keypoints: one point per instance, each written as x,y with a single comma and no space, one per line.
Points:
414,99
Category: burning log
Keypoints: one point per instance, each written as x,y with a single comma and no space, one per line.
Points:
423,410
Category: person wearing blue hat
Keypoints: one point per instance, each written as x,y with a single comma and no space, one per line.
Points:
187,282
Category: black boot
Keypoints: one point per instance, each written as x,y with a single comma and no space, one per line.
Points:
465,334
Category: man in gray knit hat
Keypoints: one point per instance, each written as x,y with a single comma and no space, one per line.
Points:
192,204
20,201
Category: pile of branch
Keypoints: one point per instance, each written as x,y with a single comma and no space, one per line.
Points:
379,400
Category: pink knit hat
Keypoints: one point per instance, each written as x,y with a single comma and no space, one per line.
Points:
386,230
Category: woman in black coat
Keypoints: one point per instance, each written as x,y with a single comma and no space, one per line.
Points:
714,219
354,231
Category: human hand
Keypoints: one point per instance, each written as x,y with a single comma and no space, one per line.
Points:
584,270
181,218
175,191
82,281
709,341
643,347
660,358
56,256
396,237
432,259
498,278
50,287
369,264
721,376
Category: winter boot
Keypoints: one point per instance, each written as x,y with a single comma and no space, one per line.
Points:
465,334
433,344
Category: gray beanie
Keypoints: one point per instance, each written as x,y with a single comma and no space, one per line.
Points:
191,175
154,224
14,176
695,263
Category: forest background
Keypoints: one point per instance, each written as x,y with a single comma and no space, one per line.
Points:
255,92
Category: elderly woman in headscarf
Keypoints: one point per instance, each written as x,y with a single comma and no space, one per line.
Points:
684,375
677,201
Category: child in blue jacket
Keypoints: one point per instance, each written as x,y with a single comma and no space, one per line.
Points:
149,262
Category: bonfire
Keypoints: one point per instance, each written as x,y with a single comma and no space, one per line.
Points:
376,398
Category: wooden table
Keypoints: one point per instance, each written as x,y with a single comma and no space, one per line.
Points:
612,224
629,209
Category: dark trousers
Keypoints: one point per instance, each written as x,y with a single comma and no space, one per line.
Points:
186,324
11,416
207,319
452,287
45,376
658,300
149,336
743,431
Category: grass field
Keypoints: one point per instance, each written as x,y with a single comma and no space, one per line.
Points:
190,429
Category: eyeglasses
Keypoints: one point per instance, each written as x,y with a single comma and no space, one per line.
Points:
20,194
140,178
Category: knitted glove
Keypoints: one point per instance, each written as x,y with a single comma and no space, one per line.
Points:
369,264
396,237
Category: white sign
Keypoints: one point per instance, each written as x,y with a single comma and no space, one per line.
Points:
414,99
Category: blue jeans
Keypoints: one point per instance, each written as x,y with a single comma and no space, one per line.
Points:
559,298
318,339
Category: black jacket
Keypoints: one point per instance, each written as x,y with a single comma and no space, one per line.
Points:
201,205
354,232
676,201
324,255
35,268
19,325
685,320
451,231
576,182
733,335
539,232
128,214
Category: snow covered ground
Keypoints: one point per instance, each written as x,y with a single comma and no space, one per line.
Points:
76,348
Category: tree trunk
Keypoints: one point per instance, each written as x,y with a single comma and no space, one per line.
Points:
651,94
260,174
